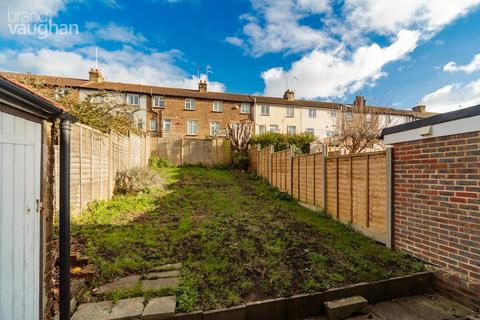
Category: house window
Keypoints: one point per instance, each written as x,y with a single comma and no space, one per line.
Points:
368,117
333,114
312,113
153,125
217,106
291,129
214,127
140,123
349,116
262,129
189,104
167,125
273,128
310,131
264,110
192,127
290,112
133,99
245,108
159,102
330,133
97,99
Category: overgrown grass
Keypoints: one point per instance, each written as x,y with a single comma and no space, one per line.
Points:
238,239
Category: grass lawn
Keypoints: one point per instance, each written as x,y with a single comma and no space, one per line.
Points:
238,239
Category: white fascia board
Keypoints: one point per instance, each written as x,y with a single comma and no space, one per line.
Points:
459,126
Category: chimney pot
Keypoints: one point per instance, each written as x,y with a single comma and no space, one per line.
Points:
289,95
95,75
419,108
202,86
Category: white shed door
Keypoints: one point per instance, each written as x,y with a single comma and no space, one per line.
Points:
20,146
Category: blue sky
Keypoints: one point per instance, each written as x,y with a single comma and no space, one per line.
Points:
398,53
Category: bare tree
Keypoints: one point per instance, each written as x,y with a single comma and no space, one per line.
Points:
358,128
239,134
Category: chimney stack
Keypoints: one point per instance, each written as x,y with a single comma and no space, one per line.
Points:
420,108
359,101
202,86
95,75
289,95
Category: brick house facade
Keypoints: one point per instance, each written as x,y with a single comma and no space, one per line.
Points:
436,201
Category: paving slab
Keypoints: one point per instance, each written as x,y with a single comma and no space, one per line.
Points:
160,308
158,284
343,308
127,309
163,274
168,267
120,284
93,311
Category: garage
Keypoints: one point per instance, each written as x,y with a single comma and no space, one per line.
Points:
26,202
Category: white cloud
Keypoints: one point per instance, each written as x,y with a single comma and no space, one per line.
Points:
113,32
124,65
335,73
473,66
334,60
453,97
278,28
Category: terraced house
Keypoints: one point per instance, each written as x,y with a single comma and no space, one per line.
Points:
174,112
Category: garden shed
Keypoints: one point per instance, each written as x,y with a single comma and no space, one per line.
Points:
436,197
27,139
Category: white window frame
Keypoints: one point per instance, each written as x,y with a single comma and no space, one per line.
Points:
262,128
195,126
97,99
310,131
330,133
189,104
140,124
217,106
133,97
333,114
312,113
247,105
213,130
154,122
290,112
294,129
164,127
349,116
160,99
264,110
273,128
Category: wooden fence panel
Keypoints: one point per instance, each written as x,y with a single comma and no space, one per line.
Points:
354,186
253,160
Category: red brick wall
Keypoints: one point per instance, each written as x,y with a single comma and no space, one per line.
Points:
437,209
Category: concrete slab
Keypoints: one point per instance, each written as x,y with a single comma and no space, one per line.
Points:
158,284
168,267
163,274
120,284
160,308
127,309
93,311
343,308
234,313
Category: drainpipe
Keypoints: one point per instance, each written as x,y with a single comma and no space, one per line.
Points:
65,219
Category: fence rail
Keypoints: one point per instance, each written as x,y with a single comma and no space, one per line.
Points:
351,188
208,152
95,159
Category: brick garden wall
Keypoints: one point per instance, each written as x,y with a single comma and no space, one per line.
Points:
437,209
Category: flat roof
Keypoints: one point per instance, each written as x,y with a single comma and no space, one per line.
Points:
439,118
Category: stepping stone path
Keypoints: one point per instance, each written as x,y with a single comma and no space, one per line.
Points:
161,277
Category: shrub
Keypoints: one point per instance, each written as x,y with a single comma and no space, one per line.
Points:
134,180
283,141
240,160
157,162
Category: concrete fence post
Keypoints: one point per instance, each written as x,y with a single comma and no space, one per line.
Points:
389,198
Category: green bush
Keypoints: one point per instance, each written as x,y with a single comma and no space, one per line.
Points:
134,180
240,160
283,141
157,162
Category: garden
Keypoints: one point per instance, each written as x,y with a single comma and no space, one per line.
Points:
237,239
